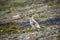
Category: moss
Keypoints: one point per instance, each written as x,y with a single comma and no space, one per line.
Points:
2,30
42,28
57,16
44,16
11,29
36,17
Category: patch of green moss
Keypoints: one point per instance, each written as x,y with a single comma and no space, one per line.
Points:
44,16
36,17
57,16
11,29
42,28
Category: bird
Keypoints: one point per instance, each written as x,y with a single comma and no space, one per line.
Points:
34,23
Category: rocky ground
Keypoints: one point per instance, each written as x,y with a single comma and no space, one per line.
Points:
49,33
44,14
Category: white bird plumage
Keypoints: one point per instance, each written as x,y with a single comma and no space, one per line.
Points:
34,23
